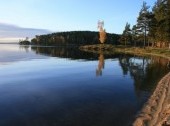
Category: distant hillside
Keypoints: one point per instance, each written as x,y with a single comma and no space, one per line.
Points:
73,38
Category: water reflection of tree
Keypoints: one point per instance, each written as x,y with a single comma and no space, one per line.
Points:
64,52
146,72
100,65
24,47
69,52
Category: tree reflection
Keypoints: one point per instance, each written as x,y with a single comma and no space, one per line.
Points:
64,52
145,71
100,65
24,47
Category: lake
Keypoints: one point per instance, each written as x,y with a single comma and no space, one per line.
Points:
63,86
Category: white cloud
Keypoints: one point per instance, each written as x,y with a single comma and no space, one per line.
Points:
12,33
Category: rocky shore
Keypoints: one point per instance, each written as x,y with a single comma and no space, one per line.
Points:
156,112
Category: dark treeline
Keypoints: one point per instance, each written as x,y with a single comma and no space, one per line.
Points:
73,38
25,41
152,27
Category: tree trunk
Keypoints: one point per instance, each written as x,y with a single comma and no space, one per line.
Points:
144,38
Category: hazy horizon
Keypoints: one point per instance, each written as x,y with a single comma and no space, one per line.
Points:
12,33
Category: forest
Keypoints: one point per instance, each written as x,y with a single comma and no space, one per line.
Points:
73,38
152,27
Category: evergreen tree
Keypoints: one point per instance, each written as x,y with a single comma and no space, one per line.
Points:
167,28
126,36
134,35
143,22
159,11
153,26
152,29
162,15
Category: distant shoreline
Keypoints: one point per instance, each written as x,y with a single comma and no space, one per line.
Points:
9,43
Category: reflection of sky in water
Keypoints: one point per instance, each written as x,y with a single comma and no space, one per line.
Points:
55,67
12,53
41,90
64,87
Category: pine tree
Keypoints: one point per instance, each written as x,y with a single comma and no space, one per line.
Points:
153,26
152,29
134,35
162,15
167,28
143,22
126,36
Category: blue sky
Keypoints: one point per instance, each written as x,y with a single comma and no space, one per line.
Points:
70,15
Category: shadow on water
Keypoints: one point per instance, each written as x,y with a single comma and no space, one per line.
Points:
72,94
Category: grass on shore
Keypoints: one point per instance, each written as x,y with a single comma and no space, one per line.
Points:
163,52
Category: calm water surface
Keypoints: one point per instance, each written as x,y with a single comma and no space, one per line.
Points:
49,86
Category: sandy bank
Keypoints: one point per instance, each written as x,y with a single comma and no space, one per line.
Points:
156,112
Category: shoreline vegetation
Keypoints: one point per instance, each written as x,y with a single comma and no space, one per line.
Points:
110,49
